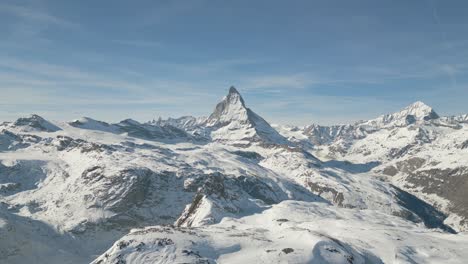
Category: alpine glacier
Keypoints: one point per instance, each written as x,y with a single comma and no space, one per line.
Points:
231,188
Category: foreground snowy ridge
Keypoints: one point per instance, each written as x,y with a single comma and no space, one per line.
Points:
231,188
293,232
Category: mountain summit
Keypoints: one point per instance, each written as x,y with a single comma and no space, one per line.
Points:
232,120
416,112
420,111
35,123
231,108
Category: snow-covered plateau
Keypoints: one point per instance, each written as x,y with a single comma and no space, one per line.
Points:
231,188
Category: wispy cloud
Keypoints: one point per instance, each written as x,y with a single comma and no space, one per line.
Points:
27,25
23,82
36,15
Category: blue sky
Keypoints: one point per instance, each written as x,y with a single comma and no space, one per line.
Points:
295,62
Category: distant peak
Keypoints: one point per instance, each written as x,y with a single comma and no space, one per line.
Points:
130,121
420,111
36,122
34,117
419,105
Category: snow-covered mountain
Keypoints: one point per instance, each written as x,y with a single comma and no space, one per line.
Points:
414,113
232,121
231,188
417,150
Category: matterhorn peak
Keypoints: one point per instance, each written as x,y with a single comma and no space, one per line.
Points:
231,119
232,107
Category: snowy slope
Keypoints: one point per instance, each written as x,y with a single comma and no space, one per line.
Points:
86,183
419,151
293,232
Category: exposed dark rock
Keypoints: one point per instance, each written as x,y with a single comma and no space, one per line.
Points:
431,217
450,184
338,197
464,145
390,171
248,154
67,143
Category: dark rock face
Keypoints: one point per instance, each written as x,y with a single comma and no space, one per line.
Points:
130,188
248,154
64,143
432,115
450,184
136,197
410,119
10,141
427,213
390,171
406,166
21,176
257,189
338,197
464,145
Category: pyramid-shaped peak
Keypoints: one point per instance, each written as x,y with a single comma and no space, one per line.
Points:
232,107
233,90
235,97
232,120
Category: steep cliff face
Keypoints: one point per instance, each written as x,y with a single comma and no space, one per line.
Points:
233,122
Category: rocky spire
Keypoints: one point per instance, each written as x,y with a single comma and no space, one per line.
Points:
231,108
232,120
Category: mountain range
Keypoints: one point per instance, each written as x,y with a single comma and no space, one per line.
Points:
231,188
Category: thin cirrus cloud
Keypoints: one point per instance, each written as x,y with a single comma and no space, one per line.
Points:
34,15
50,85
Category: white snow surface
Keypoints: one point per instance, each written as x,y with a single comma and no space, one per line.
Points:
230,188
293,232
